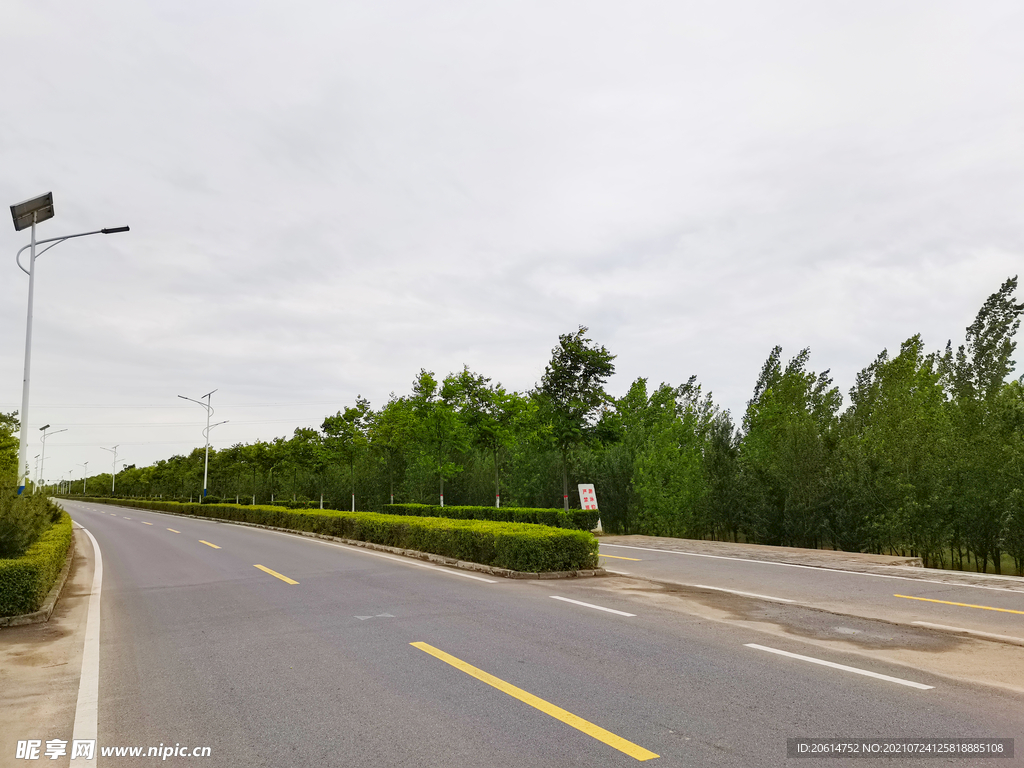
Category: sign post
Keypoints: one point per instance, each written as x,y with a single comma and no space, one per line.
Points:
588,500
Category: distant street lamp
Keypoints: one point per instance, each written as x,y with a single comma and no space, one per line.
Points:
28,214
206,434
42,460
113,476
85,476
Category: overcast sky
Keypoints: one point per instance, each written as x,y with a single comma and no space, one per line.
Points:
325,197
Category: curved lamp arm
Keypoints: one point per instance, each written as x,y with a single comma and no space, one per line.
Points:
57,240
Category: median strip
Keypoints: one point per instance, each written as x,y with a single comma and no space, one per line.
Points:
962,605
276,574
616,742
842,667
208,544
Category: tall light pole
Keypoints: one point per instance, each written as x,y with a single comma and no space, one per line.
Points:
37,469
206,433
42,461
85,476
27,214
113,477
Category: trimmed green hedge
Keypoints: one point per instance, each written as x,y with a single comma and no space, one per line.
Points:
26,580
516,546
578,519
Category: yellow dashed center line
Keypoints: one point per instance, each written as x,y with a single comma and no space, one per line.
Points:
173,531
127,518
622,558
208,544
609,738
962,605
276,574
144,522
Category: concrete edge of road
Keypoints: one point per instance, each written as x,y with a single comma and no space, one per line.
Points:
43,614
411,553
958,631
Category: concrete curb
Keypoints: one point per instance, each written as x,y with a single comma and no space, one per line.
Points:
450,562
43,614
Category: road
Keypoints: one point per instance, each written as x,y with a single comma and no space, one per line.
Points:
279,650
903,595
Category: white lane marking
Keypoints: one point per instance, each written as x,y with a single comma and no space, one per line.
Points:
590,605
404,560
813,567
745,594
351,548
976,632
843,667
87,709
618,573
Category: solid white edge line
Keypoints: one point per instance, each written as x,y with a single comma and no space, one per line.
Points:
975,632
87,708
843,667
745,594
814,567
590,605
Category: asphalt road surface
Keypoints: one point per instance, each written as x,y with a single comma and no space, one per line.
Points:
279,650
993,605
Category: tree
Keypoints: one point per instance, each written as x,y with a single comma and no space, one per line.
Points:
346,436
894,453
9,424
439,431
491,414
571,394
308,451
390,431
670,478
975,378
785,452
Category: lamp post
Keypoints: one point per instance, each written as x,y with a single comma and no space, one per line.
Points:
37,469
206,433
85,476
113,476
42,460
27,214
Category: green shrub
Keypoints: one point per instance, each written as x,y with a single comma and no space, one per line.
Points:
23,520
516,546
25,580
578,519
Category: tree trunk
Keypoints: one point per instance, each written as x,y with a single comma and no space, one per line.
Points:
565,481
497,488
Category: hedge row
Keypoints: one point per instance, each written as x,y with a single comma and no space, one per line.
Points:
26,580
516,546
578,519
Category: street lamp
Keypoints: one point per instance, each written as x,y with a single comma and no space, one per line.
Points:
113,476
28,214
206,434
85,476
42,460
37,470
